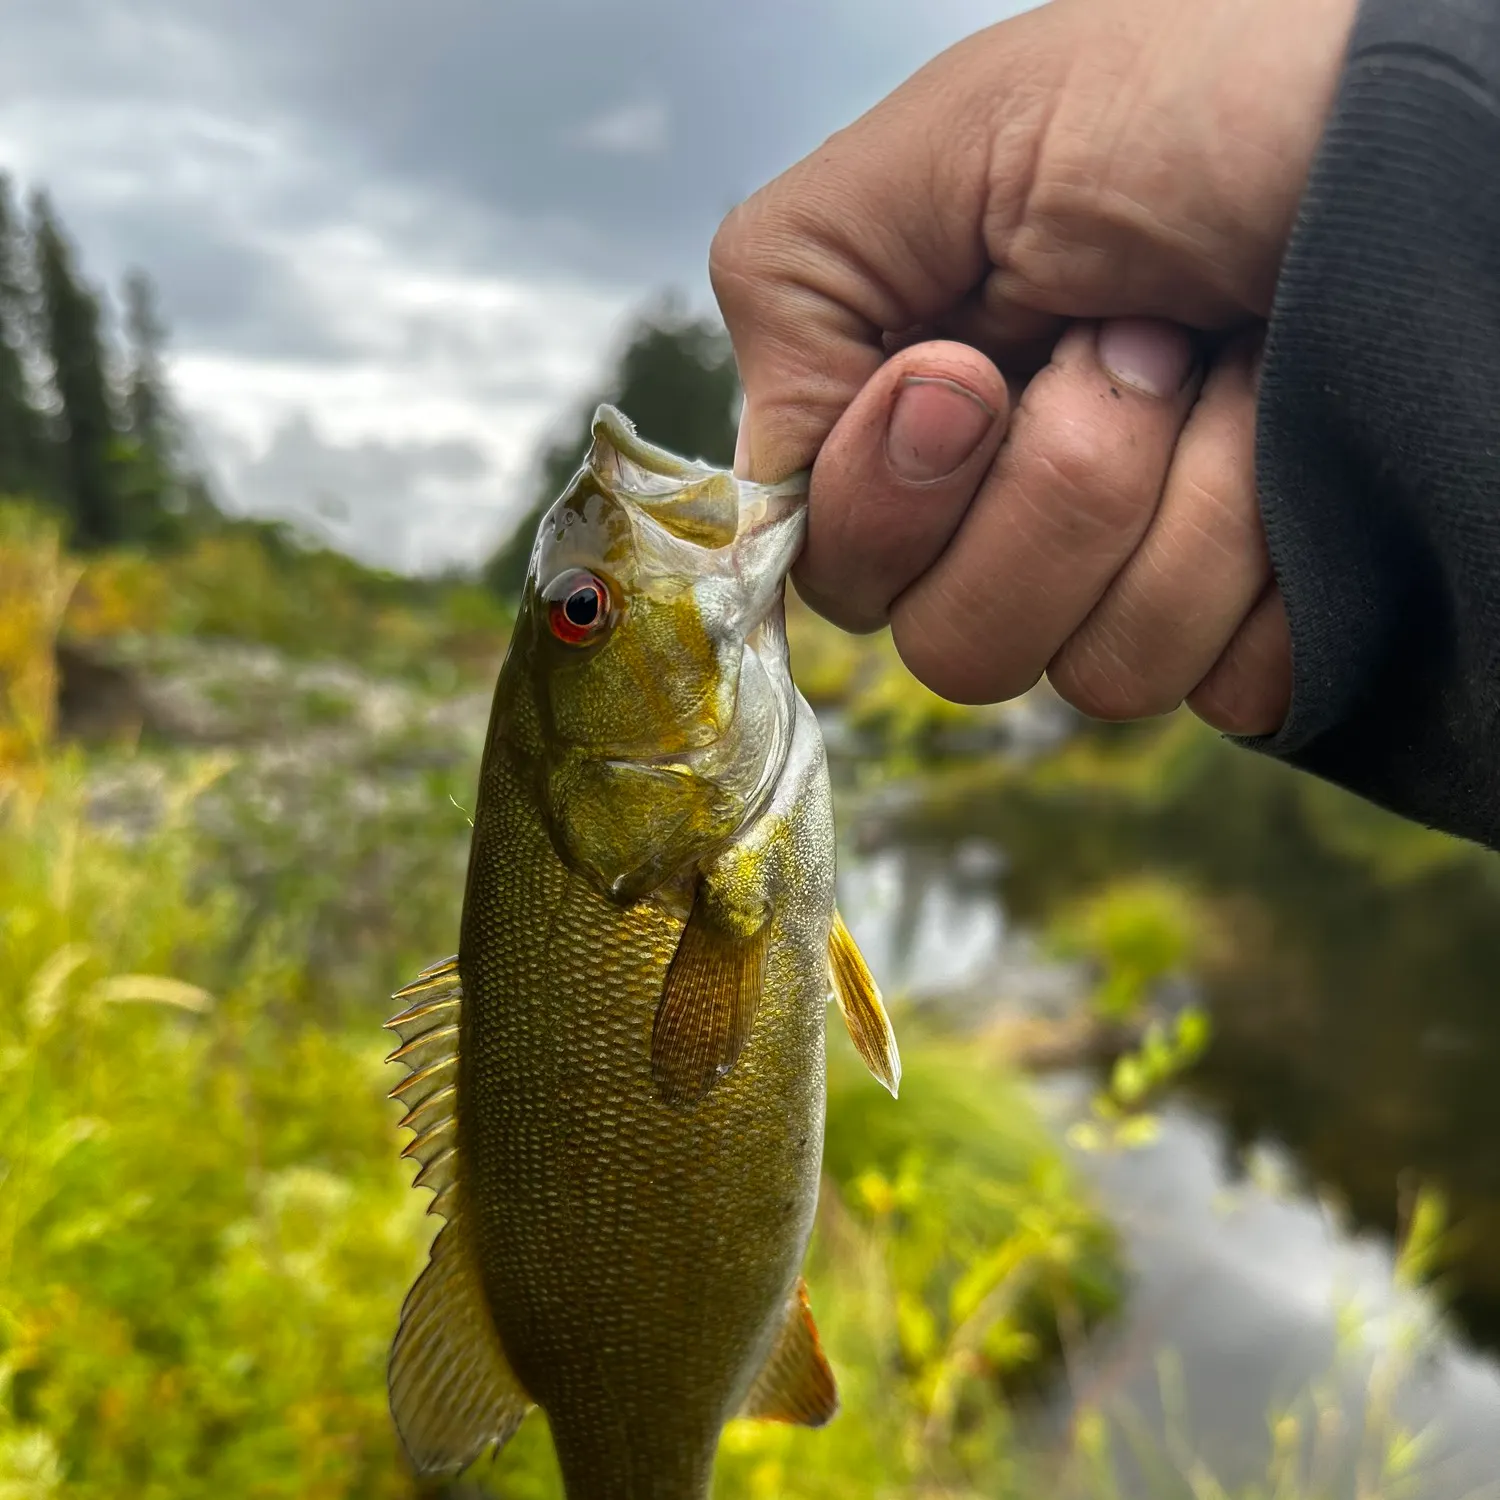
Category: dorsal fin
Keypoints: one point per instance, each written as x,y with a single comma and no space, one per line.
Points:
452,1391
428,1029
862,1008
795,1384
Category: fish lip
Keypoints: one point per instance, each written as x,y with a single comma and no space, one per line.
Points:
769,508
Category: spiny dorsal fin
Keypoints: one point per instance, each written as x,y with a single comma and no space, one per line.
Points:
708,1005
453,1394
863,1010
428,1029
795,1384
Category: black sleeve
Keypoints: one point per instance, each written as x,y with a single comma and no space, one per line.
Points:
1379,424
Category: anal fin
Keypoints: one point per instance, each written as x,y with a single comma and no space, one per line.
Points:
863,1010
452,1392
708,1004
795,1383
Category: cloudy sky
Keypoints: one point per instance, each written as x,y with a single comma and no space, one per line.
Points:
395,238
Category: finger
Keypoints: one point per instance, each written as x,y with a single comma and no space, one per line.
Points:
1249,689
1069,496
894,478
1197,574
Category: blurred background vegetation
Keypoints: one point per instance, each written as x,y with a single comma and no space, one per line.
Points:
234,773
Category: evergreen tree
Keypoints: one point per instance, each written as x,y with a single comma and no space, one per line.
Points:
87,436
676,380
156,490
23,436
147,412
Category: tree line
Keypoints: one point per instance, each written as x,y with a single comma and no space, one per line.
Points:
87,425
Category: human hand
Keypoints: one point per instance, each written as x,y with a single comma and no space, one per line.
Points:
1016,485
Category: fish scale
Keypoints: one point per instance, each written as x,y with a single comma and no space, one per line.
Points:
562,1037
647,949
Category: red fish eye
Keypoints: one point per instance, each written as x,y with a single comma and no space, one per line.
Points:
577,607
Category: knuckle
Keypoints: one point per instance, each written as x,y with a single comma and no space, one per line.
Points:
1249,691
732,256
1235,702
1102,685
1087,485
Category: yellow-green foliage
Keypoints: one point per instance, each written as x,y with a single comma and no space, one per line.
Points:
205,1234
203,1225
36,581
253,583
1136,932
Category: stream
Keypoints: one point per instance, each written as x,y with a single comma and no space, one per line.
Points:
1356,1030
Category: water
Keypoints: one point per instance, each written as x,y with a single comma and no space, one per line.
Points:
1356,1034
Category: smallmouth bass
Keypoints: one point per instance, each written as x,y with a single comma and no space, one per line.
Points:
618,1084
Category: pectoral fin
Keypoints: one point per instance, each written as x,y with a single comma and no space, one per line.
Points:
863,1010
708,1003
795,1383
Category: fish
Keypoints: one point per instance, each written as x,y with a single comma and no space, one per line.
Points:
617,1085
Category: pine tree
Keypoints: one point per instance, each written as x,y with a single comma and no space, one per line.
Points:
675,379
69,317
153,483
23,437
147,412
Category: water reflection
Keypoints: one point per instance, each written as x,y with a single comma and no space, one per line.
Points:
1354,996
1248,1288
928,918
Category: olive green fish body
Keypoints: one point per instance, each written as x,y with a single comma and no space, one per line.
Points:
637,1256
617,1086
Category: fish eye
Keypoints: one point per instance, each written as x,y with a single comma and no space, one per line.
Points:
578,606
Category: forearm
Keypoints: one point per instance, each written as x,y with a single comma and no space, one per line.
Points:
1379,424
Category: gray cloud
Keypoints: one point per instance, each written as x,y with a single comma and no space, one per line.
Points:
409,225
520,109
384,502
